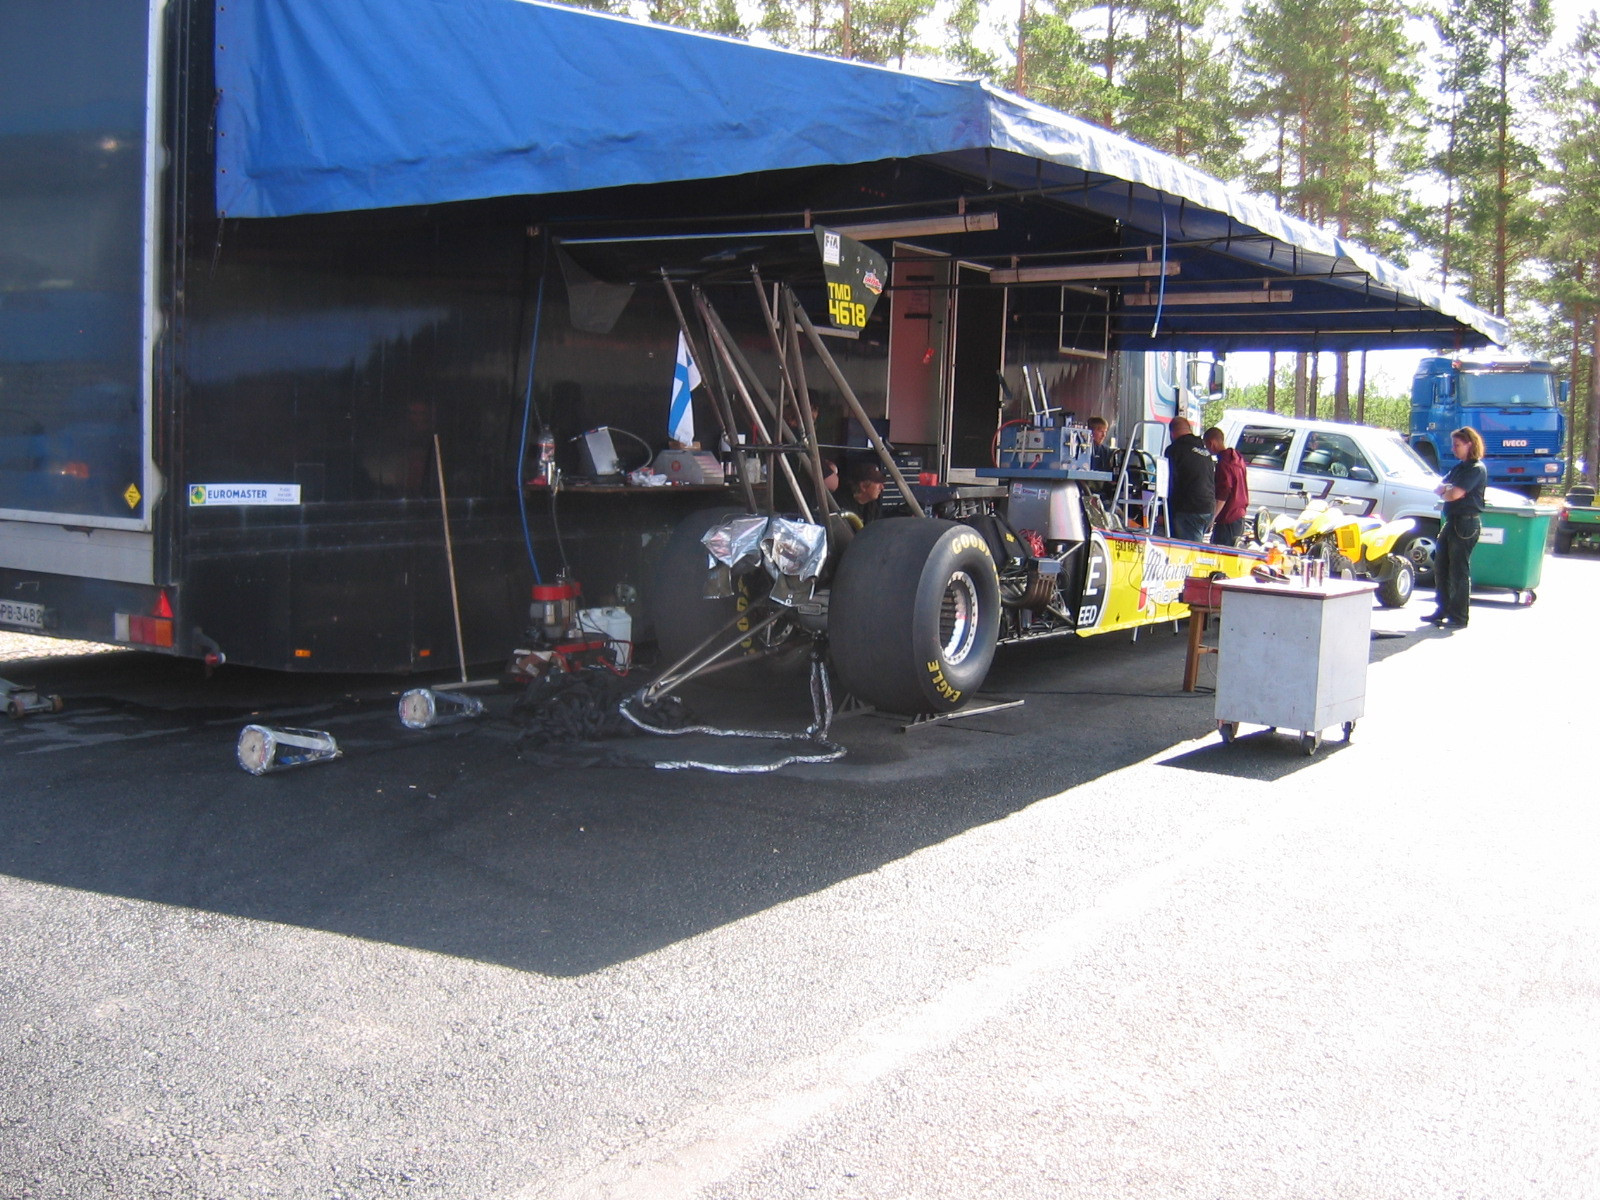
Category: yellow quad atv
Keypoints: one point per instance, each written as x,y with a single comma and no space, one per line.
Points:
1352,547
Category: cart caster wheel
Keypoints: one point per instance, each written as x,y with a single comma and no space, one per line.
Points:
57,704
1310,742
1532,596
1349,728
15,710
1228,729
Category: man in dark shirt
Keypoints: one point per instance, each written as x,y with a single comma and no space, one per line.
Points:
1192,488
865,497
1459,526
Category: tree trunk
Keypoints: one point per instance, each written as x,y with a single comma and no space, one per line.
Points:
1594,394
1579,426
1272,380
1341,386
1019,81
1449,194
1361,392
1300,383
1108,118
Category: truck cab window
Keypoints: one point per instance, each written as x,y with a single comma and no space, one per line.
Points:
1335,455
1265,446
1511,388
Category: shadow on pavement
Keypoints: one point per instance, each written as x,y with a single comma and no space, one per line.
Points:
1257,753
461,842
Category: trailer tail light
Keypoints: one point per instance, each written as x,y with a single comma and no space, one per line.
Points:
139,629
74,470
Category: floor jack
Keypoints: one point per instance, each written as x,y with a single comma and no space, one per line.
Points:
22,700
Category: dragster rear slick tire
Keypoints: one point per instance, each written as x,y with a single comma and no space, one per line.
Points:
684,617
914,614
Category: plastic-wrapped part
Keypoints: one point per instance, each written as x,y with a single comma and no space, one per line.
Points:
737,542
263,749
423,708
794,548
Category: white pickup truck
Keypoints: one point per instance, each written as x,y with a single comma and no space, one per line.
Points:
1368,471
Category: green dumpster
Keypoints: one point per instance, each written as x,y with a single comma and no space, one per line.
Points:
1510,553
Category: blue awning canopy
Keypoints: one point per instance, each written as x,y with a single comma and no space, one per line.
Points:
339,105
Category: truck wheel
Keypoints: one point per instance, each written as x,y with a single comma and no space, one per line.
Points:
1563,541
913,615
1420,547
1395,588
684,617
1428,454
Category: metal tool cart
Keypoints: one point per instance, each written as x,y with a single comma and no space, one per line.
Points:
1293,657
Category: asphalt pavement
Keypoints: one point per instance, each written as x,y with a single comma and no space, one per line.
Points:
1079,948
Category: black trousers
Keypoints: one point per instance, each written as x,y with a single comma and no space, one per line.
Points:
1452,564
1227,533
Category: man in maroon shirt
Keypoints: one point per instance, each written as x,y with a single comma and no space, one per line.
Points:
1233,491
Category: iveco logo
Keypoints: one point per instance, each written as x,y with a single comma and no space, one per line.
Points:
1514,442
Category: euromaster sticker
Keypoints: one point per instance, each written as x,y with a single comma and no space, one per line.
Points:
218,495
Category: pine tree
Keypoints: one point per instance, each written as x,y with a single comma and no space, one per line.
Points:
821,26
886,31
1052,59
1488,163
709,16
1330,100
1166,82
965,48
1570,205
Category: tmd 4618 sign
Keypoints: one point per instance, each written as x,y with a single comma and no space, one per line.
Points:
855,277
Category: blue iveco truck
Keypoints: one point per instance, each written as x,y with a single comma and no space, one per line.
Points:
1514,403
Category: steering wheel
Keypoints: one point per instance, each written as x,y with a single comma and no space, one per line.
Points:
1339,470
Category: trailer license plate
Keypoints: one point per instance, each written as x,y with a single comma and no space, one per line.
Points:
28,616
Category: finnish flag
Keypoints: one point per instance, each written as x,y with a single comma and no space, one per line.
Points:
685,378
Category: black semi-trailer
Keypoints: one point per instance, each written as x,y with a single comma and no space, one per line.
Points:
217,436
218,428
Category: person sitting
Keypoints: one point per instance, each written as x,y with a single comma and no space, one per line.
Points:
1101,456
865,495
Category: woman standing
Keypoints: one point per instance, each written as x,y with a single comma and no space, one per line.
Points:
1459,527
